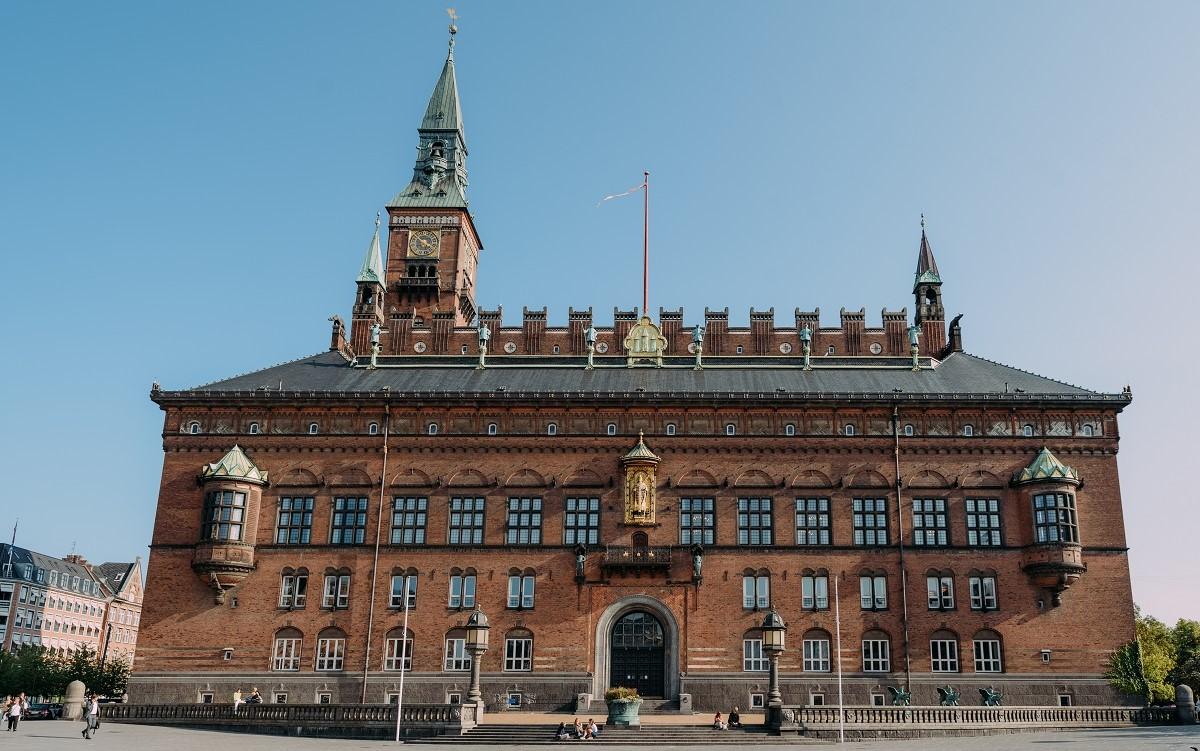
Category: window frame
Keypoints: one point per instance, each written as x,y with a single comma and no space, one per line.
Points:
707,527
812,585
408,591
875,583
1065,518
944,652
456,659
816,653
335,591
590,512
984,523
413,519
293,590
752,512
472,507
865,523
520,663
286,523
354,508
977,588
756,592
524,522
524,596
936,595
330,655
930,517
754,658
877,658
394,662
996,658
462,580
216,519
822,518
286,650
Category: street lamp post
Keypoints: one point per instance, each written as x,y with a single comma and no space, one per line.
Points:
477,644
774,634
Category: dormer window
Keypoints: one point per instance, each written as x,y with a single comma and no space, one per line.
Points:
253,428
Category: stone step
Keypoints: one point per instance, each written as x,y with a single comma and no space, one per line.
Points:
646,735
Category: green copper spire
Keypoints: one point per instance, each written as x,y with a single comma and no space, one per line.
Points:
1046,466
440,173
235,465
927,270
372,267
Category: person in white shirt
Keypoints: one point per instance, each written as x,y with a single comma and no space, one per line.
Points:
92,715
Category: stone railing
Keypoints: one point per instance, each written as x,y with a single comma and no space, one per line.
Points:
897,722
330,720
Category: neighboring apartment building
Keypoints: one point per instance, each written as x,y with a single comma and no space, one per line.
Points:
63,603
123,582
624,508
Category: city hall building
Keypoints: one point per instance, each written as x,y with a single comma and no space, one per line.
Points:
626,499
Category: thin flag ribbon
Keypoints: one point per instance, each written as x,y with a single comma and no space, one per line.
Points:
631,191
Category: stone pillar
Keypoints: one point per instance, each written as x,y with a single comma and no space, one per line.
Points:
73,701
1185,704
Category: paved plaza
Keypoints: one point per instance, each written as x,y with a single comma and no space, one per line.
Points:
117,737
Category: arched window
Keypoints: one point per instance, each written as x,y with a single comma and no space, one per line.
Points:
872,590
909,430
756,589
432,429
398,650
1027,431
521,589
462,588
968,430
670,428
285,655
814,589
518,650
943,652
816,651
551,429
493,428
456,659
193,427
876,652
789,429
313,428
437,150
293,588
939,586
986,652
754,659
331,650
373,428
612,428
404,589
253,428
1088,431
849,429
730,429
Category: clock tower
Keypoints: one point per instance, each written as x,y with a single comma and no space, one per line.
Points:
433,249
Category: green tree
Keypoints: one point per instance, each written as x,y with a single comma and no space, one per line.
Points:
1186,638
1141,667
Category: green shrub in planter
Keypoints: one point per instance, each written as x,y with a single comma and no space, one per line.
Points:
623,705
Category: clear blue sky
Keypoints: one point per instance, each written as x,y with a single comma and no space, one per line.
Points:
187,189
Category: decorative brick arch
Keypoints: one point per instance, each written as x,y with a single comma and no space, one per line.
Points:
604,627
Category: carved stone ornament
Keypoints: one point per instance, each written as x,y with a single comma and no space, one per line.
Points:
645,342
640,464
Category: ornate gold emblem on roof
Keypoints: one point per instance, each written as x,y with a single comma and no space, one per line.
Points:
1046,467
645,342
235,465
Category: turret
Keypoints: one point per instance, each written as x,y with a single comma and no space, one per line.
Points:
224,554
368,302
927,289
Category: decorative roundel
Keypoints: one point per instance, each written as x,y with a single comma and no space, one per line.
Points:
692,348
876,348
785,348
510,347
602,347
419,346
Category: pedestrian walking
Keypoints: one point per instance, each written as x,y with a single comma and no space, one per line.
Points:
91,716
17,710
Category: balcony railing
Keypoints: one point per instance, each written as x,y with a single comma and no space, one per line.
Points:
625,557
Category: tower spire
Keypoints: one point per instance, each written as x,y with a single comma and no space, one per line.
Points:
927,289
927,270
372,265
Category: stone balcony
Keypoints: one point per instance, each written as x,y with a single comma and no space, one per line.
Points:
627,558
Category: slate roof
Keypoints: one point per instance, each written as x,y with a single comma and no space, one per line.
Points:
959,376
113,574
22,556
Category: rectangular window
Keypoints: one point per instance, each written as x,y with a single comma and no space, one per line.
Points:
943,655
870,521
466,521
524,521
696,521
331,653
753,657
756,592
457,659
581,525
520,592
872,592
224,513
754,521
518,654
462,591
349,521
929,521
877,656
408,520
280,697
397,655
983,522
400,585
983,592
987,656
940,591
1054,518
336,594
286,655
816,655
293,526
814,592
293,591
812,521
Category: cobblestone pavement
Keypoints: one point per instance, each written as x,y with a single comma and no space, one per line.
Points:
116,737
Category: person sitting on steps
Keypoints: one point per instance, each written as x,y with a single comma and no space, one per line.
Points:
718,723
735,719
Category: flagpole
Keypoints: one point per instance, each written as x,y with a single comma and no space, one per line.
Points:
646,243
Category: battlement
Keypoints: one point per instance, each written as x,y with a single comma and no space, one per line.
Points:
408,333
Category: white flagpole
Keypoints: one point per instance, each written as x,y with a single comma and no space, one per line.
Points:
404,657
837,618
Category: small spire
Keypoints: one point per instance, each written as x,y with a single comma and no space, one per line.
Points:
372,266
453,30
927,270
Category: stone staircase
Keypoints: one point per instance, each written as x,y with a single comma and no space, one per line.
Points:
646,735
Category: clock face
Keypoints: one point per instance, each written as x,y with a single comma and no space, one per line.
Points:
424,243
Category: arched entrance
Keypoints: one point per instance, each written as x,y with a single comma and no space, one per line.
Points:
605,673
638,654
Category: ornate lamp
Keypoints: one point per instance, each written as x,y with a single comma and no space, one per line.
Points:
477,644
774,632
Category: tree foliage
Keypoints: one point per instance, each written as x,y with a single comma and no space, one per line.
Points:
1186,636
39,671
1159,659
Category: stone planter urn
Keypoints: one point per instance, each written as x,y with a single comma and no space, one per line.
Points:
623,706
